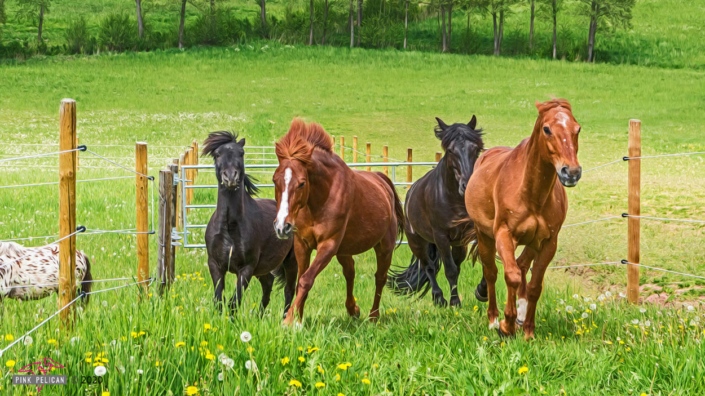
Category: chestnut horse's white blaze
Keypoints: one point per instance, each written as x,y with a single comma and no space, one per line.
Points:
284,207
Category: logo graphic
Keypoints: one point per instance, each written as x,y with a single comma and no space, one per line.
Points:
36,374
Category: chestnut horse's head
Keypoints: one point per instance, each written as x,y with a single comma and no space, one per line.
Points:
558,130
291,179
462,144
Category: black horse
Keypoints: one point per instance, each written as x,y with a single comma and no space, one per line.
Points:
437,224
239,235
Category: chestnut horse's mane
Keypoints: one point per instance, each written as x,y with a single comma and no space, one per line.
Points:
552,104
301,139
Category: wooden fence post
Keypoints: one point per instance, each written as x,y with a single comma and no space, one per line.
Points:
409,170
174,210
368,155
385,158
354,149
438,157
342,147
164,263
141,205
179,198
67,210
189,176
194,146
634,208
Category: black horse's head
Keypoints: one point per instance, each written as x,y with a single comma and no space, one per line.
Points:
462,144
229,157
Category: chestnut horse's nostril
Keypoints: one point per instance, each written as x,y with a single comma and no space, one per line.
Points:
287,228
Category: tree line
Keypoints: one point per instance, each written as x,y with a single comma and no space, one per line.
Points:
369,23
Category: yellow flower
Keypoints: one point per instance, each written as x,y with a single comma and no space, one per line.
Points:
10,363
301,349
210,356
295,383
320,385
51,341
365,381
133,334
105,393
191,390
9,338
250,349
523,370
375,366
302,359
180,344
337,377
312,349
204,343
220,347
320,369
89,360
206,327
285,360
475,308
156,364
341,394
344,366
643,394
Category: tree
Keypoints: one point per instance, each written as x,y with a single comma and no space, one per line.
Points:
468,6
34,10
352,24
140,23
610,13
531,25
182,20
406,21
552,8
326,6
310,35
359,21
3,15
262,16
498,9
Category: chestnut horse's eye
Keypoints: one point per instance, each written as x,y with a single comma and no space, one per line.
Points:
547,131
302,184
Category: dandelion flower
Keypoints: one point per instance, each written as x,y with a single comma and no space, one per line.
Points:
344,366
245,336
100,371
635,321
523,370
366,381
9,337
575,296
156,364
219,347
251,365
210,356
10,364
191,390
180,344
295,383
27,341
206,327
690,308
250,349
376,366
312,349
229,363
285,360
569,308
204,344
320,385
341,394
593,307
140,371
105,393
320,369
337,377
584,315
302,359
642,310
220,377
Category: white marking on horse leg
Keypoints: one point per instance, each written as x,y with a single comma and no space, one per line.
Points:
495,324
521,310
284,206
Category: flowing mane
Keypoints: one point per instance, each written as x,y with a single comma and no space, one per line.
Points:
302,139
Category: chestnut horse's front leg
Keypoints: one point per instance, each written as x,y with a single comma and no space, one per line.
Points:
506,246
524,263
486,250
303,261
348,265
325,252
543,258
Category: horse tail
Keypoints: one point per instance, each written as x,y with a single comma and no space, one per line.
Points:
474,252
398,208
87,282
279,276
414,279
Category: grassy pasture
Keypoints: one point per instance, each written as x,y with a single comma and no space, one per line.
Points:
170,98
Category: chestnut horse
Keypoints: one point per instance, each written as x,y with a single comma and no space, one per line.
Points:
516,197
334,210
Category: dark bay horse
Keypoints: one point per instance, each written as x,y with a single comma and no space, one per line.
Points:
516,197
239,235
334,210
437,224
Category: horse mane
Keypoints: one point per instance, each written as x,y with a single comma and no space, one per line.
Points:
552,104
11,250
301,139
221,138
460,130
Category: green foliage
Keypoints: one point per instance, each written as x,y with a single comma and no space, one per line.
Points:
610,14
118,32
3,14
218,28
28,10
78,38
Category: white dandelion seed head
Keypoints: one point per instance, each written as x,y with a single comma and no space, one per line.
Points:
593,307
251,365
229,363
608,294
140,371
587,299
121,369
584,315
575,296
28,340
104,303
113,343
132,359
100,371
647,323
690,308
561,302
635,321
622,295
222,358
601,297
75,340
245,336
569,308
220,377
642,310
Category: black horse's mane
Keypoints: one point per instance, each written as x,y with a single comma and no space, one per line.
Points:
221,138
455,131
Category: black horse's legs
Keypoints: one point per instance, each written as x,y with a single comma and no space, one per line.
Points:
243,281
218,277
290,272
267,282
459,253
422,249
451,270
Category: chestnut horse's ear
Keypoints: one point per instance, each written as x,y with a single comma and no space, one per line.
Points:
473,122
241,142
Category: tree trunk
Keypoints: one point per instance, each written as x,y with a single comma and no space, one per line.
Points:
212,6
352,25
406,21
444,47
555,27
181,24
310,33
495,32
41,23
140,24
501,31
531,26
325,22
263,17
359,21
591,32
450,24
467,33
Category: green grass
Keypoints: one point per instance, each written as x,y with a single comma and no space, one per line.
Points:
385,97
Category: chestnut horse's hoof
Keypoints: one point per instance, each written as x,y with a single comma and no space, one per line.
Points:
504,335
481,294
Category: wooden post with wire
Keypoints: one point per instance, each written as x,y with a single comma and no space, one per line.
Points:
179,197
634,209
354,149
194,146
174,210
385,158
409,171
141,205
342,147
438,157
165,265
368,155
189,176
67,211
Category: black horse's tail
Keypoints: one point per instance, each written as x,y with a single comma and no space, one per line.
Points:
87,282
398,208
279,276
413,279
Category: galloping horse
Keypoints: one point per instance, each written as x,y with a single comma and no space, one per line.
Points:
436,225
334,210
516,197
239,237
